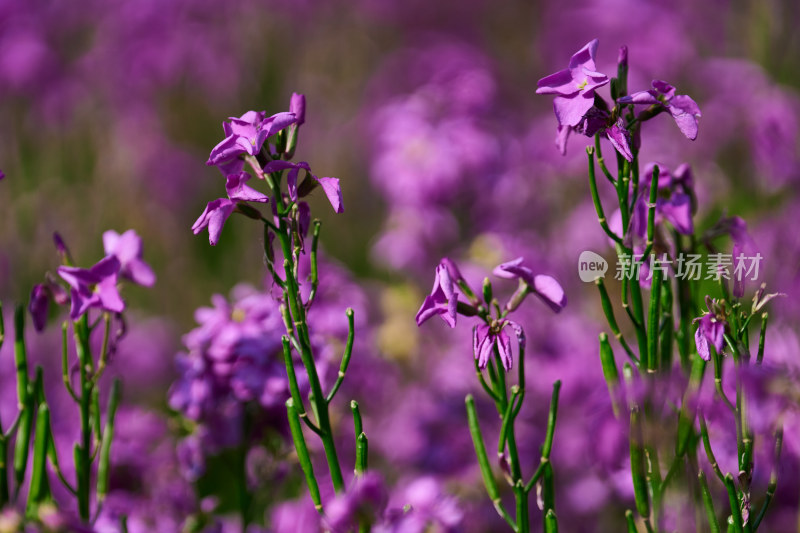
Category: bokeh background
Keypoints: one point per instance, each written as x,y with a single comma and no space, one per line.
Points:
426,112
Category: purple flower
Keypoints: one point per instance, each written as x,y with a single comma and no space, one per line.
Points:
545,287
574,86
217,211
485,338
95,287
296,190
711,330
214,217
682,108
246,135
128,249
2,174
443,300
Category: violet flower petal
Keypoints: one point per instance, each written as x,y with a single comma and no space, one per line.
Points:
550,292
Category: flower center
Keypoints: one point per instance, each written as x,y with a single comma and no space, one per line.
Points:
583,84
238,315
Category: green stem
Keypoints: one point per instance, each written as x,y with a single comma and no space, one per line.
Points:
598,206
483,461
348,351
302,454
733,501
608,310
708,503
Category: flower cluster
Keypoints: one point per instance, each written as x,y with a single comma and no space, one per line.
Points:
97,286
265,144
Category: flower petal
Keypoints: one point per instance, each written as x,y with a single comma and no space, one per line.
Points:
550,292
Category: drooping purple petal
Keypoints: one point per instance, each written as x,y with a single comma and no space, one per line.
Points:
214,217
550,292
333,192
685,112
702,344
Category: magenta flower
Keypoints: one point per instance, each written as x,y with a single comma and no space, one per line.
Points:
217,211
711,330
128,249
296,190
95,287
246,135
545,287
443,300
574,86
485,339
683,109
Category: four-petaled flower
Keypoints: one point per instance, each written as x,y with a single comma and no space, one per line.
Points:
93,287
485,337
574,86
217,211
683,109
710,331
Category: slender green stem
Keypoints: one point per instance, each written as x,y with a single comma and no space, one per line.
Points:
547,446
492,394
348,351
38,482
103,470
601,162
651,213
708,503
598,206
507,418
302,453
362,453
483,461
712,460
608,310
773,478
638,465
20,357
654,316
733,501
